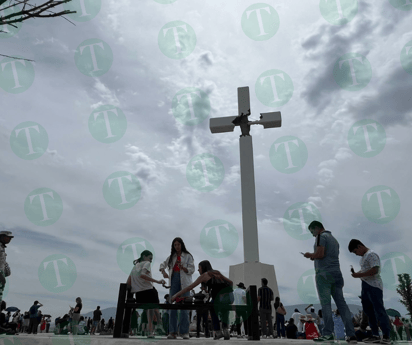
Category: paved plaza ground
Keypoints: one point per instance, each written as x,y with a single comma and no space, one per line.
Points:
51,339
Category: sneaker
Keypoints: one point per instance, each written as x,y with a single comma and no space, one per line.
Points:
385,340
171,336
352,340
325,338
226,334
186,336
218,335
372,340
263,336
239,336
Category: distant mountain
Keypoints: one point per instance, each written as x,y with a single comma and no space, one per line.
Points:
106,314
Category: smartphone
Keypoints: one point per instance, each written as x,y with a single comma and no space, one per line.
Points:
351,269
302,253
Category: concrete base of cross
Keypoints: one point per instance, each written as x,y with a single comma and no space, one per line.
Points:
252,273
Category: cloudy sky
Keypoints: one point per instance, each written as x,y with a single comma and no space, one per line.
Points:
106,147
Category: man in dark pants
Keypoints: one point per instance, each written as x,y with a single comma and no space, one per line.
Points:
34,322
265,296
372,291
329,282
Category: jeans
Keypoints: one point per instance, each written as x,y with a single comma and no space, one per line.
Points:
266,315
331,285
372,303
321,328
280,325
184,314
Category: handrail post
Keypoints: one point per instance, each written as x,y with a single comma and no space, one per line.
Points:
127,317
253,319
121,303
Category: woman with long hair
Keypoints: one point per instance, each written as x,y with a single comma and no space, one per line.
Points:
76,315
141,283
280,318
222,295
178,267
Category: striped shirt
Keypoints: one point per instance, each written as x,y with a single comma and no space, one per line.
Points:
266,295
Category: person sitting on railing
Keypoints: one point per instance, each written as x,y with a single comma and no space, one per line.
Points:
220,288
140,282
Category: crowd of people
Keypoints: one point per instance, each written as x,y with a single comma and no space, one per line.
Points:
217,289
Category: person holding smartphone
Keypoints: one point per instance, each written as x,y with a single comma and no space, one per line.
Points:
372,291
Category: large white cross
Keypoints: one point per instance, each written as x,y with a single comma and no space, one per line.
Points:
247,173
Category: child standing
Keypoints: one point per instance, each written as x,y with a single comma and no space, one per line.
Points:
141,283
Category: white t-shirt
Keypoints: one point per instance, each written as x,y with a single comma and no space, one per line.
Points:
371,259
240,296
138,283
296,317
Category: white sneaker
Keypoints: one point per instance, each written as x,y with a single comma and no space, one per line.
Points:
263,336
186,336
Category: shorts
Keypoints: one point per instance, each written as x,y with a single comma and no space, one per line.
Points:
95,323
147,296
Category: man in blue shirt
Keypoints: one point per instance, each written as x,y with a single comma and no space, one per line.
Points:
329,282
34,322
